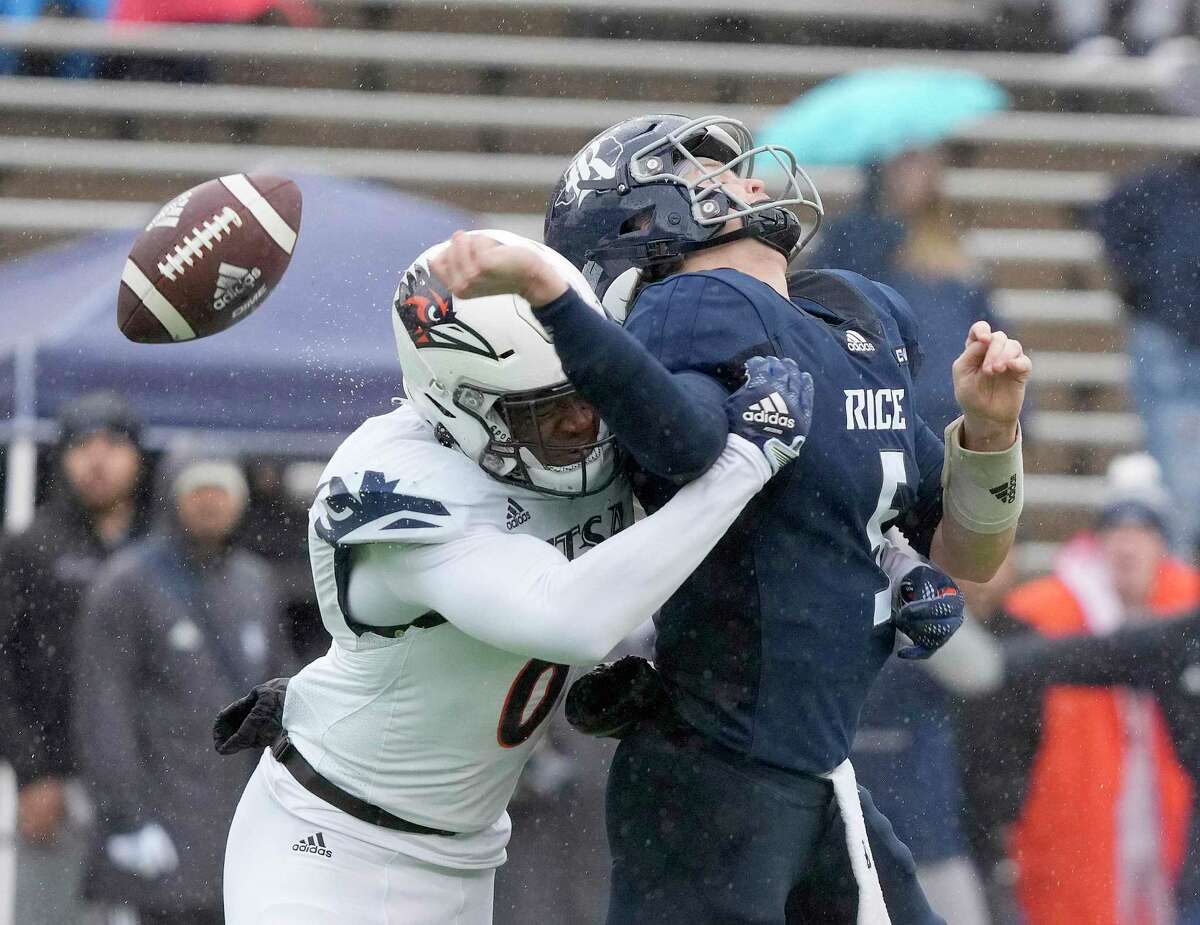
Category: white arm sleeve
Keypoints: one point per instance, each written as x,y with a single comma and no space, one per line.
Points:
520,594
897,558
971,662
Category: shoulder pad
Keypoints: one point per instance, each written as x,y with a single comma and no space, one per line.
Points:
886,301
699,321
368,507
872,304
716,286
902,314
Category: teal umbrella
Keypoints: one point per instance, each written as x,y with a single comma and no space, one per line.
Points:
873,115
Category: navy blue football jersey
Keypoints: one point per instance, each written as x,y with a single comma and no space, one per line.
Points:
771,645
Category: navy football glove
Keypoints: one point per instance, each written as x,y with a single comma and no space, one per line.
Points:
773,410
928,610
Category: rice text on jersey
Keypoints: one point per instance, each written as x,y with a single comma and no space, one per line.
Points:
875,409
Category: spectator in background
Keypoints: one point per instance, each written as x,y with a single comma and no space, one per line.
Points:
266,12
95,505
1150,227
174,628
276,527
74,64
1100,832
1159,656
902,234
1103,28
1001,730
176,69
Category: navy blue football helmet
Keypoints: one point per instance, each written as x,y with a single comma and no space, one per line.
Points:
645,192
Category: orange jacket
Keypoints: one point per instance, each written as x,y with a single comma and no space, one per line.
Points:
1065,841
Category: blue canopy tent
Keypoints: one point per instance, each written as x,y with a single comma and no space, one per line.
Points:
305,369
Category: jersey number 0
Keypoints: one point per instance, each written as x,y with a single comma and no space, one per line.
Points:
517,720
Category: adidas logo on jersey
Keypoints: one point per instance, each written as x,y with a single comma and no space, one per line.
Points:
771,410
314,844
233,282
856,343
1005,492
516,515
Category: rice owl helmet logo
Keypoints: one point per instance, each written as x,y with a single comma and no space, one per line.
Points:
597,161
426,309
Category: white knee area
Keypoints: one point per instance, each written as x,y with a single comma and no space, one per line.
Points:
292,859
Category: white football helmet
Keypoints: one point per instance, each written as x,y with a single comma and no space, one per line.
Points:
483,371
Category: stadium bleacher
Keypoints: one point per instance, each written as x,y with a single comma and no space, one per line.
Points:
482,107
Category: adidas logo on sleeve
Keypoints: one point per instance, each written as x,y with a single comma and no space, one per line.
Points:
772,412
515,516
857,343
314,844
1005,492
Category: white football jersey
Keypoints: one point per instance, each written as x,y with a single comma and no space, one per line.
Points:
423,720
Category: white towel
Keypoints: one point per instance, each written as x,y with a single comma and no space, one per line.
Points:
871,908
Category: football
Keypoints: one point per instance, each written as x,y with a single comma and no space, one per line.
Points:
209,258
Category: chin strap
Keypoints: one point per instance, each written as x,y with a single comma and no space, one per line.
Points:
776,228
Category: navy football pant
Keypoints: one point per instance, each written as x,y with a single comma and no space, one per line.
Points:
700,835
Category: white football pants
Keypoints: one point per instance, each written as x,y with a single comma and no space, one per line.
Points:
293,859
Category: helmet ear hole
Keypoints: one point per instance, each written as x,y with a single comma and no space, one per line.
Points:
638,221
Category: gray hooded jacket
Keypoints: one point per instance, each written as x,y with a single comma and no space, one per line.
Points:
166,639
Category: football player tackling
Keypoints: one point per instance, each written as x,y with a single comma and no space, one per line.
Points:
446,544
737,804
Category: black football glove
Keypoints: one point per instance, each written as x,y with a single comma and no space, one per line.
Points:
612,698
774,409
928,609
255,721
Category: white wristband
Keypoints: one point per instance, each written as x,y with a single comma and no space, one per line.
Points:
983,492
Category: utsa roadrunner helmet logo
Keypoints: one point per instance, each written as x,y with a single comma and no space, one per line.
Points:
426,309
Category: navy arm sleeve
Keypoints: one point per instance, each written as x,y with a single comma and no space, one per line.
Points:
673,424
1151,655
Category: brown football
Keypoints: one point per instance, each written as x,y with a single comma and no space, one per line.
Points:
208,258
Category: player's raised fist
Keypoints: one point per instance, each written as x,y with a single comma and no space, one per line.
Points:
989,385
773,410
477,264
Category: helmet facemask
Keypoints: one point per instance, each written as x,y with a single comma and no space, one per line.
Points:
518,452
641,196
729,146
